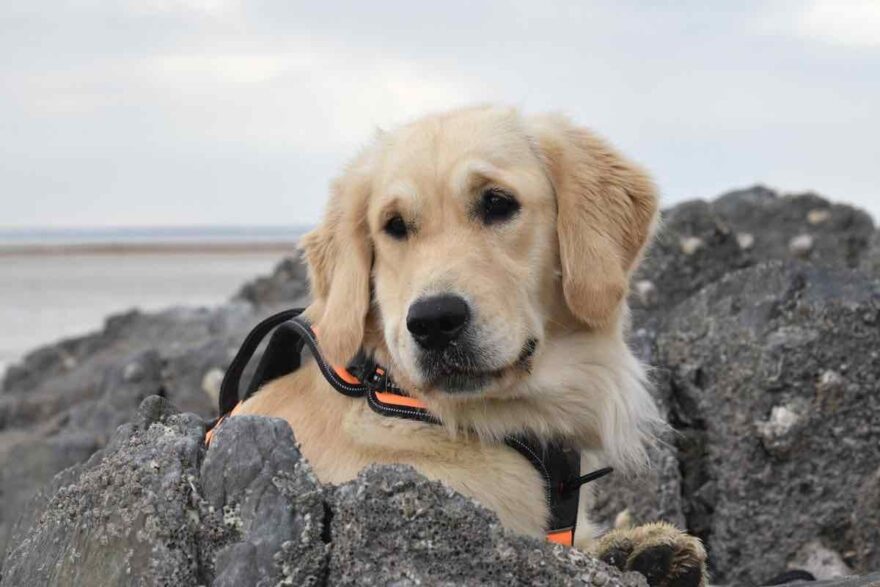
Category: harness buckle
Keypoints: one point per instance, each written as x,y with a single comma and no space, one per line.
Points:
377,379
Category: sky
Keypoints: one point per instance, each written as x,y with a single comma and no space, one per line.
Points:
233,112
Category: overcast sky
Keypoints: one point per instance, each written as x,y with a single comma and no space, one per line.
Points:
181,112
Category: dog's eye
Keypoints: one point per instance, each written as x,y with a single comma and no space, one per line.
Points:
396,228
497,205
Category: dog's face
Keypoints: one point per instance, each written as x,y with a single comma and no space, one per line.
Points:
457,245
462,223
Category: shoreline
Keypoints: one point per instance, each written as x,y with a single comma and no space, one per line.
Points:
169,248
53,291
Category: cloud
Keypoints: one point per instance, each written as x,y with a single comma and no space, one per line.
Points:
224,111
310,96
849,23
210,8
843,22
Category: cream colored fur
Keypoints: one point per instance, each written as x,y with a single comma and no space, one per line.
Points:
557,272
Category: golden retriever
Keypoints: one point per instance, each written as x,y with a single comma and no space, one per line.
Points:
483,257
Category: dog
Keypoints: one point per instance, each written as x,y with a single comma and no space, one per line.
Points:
484,256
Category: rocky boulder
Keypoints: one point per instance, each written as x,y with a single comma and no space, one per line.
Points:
154,507
286,284
774,380
128,516
770,377
63,402
871,260
698,242
800,226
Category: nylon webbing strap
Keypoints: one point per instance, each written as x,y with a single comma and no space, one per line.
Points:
229,388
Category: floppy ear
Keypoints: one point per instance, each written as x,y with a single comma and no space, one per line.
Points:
339,256
606,212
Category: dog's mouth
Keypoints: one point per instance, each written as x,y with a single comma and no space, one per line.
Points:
459,372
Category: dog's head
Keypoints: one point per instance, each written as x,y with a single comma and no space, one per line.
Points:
456,246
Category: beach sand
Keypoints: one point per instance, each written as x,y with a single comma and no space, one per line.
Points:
47,293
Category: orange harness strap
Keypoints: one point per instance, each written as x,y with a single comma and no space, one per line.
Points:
563,537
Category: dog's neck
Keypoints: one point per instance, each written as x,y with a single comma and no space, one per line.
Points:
585,388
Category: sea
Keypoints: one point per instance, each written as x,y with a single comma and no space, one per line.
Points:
60,283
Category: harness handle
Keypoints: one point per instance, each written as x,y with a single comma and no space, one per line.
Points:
230,387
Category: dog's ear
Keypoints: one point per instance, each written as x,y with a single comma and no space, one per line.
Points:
606,212
339,255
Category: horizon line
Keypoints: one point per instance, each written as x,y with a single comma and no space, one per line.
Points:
164,227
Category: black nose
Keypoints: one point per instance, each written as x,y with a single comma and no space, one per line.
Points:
436,321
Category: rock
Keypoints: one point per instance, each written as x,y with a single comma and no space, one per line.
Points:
779,432
839,233
286,285
818,216
872,580
133,372
393,526
254,474
865,524
211,382
690,244
770,379
646,291
820,561
144,511
63,402
129,516
786,346
693,248
871,260
45,432
801,246
745,240
699,242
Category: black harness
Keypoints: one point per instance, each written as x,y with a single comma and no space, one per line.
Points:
558,465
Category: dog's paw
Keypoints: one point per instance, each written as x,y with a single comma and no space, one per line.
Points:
665,555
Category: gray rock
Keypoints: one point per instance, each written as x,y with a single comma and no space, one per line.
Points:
287,284
253,473
394,527
822,562
828,234
770,378
764,485
145,511
63,402
46,431
872,580
865,523
699,242
871,260
677,267
130,516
